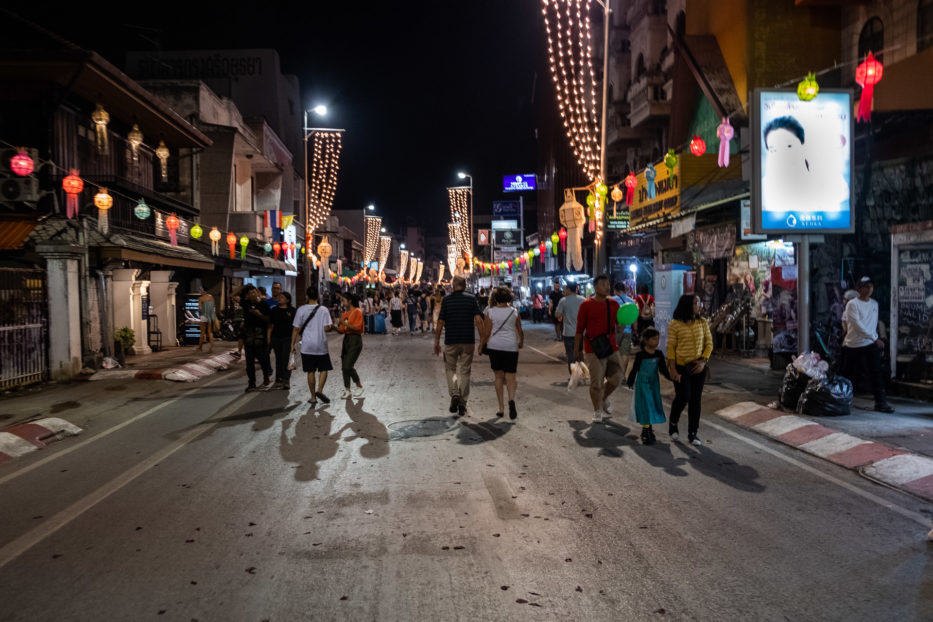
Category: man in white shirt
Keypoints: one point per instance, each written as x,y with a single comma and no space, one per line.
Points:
312,322
566,314
862,348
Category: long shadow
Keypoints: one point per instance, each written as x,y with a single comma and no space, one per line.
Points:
483,432
722,468
660,455
310,444
366,426
608,437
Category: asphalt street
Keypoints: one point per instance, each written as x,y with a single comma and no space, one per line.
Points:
200,502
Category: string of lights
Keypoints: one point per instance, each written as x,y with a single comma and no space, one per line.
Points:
402,263
385,245
371,240
452,257
324,168
460,215
420,268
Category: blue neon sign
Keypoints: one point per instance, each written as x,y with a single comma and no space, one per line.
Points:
518,183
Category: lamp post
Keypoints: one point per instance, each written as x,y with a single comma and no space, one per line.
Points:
321,111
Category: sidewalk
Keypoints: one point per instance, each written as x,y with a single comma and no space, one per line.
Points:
178,364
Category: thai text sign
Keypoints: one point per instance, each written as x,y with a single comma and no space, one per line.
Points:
664,202
518,183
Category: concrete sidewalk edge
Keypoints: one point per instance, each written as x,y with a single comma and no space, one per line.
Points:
186,372
895,467
30,436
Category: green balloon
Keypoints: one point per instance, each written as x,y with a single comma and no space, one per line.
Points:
628,313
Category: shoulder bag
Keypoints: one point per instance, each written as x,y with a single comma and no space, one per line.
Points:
485,350
301,333
602,346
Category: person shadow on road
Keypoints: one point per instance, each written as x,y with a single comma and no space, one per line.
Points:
366,426
720,467
607,436
311,443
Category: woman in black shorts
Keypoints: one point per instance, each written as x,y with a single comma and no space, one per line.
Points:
502,339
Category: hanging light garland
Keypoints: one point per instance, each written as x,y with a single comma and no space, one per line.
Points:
402,263
418,271
412,268
570,47
460,215
385,245
440,272
371,239
324,168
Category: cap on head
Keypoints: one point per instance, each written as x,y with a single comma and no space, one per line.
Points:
865,280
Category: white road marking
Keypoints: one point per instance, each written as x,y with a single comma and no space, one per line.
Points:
76,446
901,469
832,444
918,518
737,410
782,425
55,425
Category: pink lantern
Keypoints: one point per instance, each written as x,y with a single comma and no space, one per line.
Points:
171,223
22,164
867,75
725,132
631,182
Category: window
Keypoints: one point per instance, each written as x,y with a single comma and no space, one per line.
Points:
924,25
871,39
640,66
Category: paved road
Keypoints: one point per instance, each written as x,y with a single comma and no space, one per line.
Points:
210,504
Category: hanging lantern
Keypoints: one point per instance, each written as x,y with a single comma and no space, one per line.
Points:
554,241
697,146
142,210
631,182
617,194
214,235
135,139
196,231
244,242
867,75
302,248
162,153
291,248
72,185
601,189
590,200
807,88
104,202
171,223
548,245
650,175
267,247
324,248
101,119
670,160
542,248
21,163
276,248
725,132
562,235
231,243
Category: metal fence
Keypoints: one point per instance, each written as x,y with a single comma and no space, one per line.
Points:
23,327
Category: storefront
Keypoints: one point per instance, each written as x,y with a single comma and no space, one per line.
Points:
911,343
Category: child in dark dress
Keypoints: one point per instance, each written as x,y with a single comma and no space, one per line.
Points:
649,362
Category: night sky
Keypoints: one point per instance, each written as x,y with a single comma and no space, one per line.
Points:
424,89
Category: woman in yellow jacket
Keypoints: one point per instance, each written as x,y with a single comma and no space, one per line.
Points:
689,344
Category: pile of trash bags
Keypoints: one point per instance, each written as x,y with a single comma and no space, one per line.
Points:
810,389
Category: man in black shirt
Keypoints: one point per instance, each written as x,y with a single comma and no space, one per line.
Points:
280,338
256,314
555,296
457,319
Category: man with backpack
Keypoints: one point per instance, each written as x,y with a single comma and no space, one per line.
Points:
312,322
645,302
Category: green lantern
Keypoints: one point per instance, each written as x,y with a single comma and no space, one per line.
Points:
807,89
601,189
555,240
142,210
196,232
670,160
267,247
591,199
244,242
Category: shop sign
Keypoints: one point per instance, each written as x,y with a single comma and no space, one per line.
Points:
290,235
518,183
802,154
716,242
482,237
504,210
507,237
914,309
504,224
666,200
745,227
619,222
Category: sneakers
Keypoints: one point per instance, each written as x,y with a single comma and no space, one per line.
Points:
607,407
512,412
597,416
672,432
694,440
346,394
884,407
356,391
461,408
250,388
647,436
454,403
266,382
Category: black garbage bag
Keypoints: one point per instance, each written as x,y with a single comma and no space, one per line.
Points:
826,397
793,386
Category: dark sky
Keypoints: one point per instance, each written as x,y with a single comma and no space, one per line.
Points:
424,89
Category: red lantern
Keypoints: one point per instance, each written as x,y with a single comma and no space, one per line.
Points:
22,164
562,234
697,146
276,248
73,185
631,182
868,74
291,247
231,243
171,223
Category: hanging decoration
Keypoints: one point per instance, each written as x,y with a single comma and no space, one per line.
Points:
276,249
413,267
631,182
697,146
171,223
142,211
440,272
291,249
559,238
244,242
267,248
570,45
725,132
670,160
418,272
324,250
101,118
104,202
21,163
231,244
214,235
867,75
72,185
135,139
162,153
461,264
459,198
371,239
807,88
650,175
196,231
572,218
385,247
403,262
324,169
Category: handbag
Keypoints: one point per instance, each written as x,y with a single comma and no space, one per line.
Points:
485,350
601,345
216,325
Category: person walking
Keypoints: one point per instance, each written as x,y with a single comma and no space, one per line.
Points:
280,332
458,317
273,299
553,300
411,307
861,347
436,301
256,318
689,345
502,338
647,408
566,314
366,308
596,334
351,325
537,307
625,336
395,310
312,322
423,311
207,316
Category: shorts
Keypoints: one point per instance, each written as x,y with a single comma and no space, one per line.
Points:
396,318
315,362
503,360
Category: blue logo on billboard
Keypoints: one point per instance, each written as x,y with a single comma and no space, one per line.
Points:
518,183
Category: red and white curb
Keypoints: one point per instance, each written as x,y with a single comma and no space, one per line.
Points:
27,437
877,461
189,372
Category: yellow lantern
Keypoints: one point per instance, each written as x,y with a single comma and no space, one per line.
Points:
162,153
214,235
103,201
135,139
324,249
101,118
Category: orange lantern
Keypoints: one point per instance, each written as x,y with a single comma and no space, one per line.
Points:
697,146
868,74
214,235
617,194
171,223
231,244
104,202
276,248
73,185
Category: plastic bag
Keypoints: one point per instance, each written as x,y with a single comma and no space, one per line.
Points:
826,397
579,375
109,363
292,361
792,387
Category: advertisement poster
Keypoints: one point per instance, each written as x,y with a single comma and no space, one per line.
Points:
192,318
784,301
915,315
802,161
663,202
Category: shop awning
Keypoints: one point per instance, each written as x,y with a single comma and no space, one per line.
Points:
274,264
14,232
152,252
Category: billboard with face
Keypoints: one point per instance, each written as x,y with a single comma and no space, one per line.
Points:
802,162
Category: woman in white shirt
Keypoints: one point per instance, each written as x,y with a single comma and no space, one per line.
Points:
502,338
